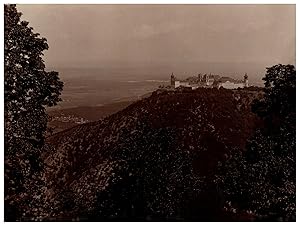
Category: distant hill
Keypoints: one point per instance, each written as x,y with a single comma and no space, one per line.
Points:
148,161
61,119
86,113
92,113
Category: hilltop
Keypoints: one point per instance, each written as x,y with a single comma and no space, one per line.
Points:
150,160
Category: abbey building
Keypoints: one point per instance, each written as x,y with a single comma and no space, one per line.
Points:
209,81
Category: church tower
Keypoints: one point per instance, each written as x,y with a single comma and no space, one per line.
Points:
207,79
173,80
200,77
246,82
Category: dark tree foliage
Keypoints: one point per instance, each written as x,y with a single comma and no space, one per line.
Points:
28,89
154,183
279,102
263,179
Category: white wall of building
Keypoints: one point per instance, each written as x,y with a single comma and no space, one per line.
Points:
177,84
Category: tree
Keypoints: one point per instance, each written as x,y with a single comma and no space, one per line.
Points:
28,89
263,179
279,102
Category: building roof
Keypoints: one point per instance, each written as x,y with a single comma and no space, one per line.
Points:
228,79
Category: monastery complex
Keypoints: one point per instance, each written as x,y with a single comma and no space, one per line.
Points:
209,81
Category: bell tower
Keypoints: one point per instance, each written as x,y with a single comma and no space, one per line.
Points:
200,77
246,81
173,80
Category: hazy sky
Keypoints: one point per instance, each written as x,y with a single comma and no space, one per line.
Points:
108,35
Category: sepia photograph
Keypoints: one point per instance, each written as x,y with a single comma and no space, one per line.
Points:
149,112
